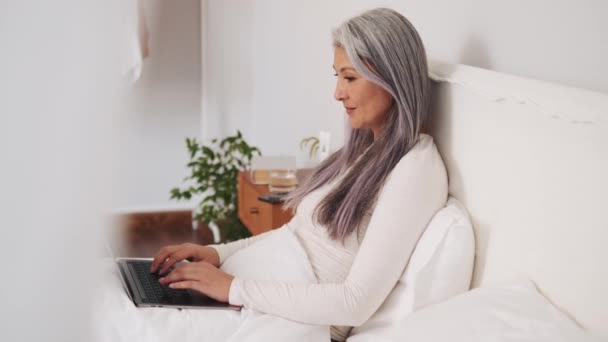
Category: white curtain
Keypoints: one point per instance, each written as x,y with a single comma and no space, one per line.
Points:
136,44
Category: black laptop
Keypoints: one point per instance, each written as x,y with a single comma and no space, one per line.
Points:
145,291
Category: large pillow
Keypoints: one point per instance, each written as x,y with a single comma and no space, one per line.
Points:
440,267
514,312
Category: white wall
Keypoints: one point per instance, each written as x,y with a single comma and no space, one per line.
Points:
165,105
269,61
57,120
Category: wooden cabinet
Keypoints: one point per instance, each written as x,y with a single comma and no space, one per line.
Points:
142,234
259,216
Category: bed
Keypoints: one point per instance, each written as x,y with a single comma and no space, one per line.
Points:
529,160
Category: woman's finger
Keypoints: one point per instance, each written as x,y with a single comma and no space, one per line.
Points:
161,256
202,277
180,254
189,271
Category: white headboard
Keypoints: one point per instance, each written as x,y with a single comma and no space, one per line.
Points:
529,160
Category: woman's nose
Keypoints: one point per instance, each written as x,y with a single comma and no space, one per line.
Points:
339,94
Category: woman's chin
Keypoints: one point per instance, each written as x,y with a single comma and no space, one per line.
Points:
354,124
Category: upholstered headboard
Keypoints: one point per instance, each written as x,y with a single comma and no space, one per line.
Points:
529,159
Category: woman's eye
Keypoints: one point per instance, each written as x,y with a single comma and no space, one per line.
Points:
348,78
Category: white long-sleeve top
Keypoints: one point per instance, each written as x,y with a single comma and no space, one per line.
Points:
354,277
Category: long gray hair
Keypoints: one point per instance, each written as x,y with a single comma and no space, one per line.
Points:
384,48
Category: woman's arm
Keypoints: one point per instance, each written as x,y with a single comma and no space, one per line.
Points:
413,193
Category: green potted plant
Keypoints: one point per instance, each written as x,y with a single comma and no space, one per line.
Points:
213,175
313,148
318,147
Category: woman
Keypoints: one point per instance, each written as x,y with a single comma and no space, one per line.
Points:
362,211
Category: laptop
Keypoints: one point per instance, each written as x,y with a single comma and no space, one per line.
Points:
144,290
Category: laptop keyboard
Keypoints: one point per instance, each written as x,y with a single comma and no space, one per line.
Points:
154,291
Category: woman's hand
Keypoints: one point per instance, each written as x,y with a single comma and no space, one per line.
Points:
168,256
200,276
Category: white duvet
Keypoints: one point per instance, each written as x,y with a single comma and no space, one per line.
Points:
276,257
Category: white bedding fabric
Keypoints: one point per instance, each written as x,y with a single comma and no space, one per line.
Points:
278,257
515,312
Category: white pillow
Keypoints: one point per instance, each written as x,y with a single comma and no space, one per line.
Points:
440,267
514,312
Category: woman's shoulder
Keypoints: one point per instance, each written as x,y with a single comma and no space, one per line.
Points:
424,151
419,173
423,160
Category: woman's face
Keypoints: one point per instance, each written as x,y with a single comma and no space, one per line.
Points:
366,103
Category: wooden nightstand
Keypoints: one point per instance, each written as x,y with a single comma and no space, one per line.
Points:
259,216
142,234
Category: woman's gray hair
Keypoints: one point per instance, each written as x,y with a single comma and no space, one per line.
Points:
384,48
